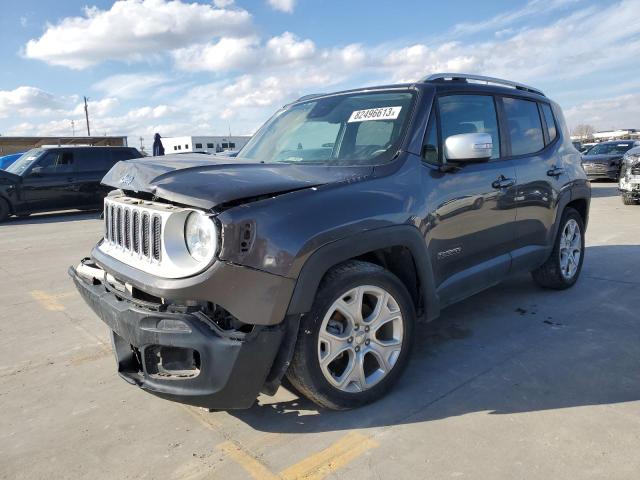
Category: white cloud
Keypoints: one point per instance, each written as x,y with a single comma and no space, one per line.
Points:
288,48
131,85
133,29
223,3
254,76
225,54
533,8
622,111
283,5
27,100
96,108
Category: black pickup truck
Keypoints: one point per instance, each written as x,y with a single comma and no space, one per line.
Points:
344,220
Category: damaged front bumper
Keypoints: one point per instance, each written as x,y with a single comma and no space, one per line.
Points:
179,352
630,186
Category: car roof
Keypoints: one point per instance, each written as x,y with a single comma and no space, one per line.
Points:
460,84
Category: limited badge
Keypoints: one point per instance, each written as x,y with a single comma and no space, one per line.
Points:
385,113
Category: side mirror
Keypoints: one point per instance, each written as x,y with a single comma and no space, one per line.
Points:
36,171
468,147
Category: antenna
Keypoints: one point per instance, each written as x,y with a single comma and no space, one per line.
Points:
86,114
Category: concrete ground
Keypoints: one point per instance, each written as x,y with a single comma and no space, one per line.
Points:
516,382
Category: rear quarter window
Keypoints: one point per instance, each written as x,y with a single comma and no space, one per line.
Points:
551,122
523,125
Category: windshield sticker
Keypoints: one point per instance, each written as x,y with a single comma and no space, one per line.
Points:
386,113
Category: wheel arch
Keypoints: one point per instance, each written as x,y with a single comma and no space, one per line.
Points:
400,249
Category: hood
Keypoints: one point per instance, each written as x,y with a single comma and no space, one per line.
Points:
7,178
604,158
207,181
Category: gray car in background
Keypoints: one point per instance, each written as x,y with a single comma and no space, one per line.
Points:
604,160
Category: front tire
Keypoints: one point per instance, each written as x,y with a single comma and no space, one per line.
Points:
354,343
628,199
563,267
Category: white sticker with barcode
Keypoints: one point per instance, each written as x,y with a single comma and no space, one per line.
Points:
385,113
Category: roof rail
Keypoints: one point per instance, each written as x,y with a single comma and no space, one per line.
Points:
310,96
480,78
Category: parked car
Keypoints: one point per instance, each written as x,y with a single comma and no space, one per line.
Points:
314,253
7,160
630,177
58,178
605,159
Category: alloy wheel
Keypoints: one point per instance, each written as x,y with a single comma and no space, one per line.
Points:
360,338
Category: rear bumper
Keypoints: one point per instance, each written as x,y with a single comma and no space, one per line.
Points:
182,355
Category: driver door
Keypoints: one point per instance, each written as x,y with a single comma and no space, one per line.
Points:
49,183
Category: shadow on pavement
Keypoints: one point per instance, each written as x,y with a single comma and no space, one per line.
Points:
54,217
514,348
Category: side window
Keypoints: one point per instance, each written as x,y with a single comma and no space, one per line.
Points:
198,145
551,122
469,114
57,162
95,159
430,147
523,124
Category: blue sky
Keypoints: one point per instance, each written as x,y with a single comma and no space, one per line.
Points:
182,67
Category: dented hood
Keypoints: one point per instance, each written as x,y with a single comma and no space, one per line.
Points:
206,181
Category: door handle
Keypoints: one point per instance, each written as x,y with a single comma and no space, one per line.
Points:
503,182
555,172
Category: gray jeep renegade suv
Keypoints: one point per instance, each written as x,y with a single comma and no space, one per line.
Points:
347,217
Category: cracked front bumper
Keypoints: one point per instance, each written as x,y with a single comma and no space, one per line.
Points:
226,369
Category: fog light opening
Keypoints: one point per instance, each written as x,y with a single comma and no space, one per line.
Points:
172,362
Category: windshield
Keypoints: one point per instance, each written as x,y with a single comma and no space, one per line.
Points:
610,148
25,161
350,129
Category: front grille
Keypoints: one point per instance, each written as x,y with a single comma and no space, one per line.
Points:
596,167
135,229
635,170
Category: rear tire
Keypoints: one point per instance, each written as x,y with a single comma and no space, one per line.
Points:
563,267
355,342
4,210
628,199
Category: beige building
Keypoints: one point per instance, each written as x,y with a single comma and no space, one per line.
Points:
10,145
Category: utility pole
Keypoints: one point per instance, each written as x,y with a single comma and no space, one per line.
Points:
86,114
73,128
141,144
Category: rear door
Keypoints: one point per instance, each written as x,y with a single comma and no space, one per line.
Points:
533,142
49,183
471,210
90,167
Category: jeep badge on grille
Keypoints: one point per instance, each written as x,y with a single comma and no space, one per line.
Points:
127,180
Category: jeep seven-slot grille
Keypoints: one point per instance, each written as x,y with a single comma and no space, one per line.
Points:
134,228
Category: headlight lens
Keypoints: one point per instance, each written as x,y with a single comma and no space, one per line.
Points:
199,235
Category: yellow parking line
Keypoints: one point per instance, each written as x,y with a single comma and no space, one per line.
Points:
336,456
48,301
253,467
315,467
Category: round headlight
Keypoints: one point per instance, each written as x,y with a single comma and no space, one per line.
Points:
199,235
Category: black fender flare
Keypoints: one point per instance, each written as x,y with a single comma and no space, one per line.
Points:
344,249
576,192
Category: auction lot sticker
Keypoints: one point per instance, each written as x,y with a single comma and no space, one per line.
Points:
385,113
